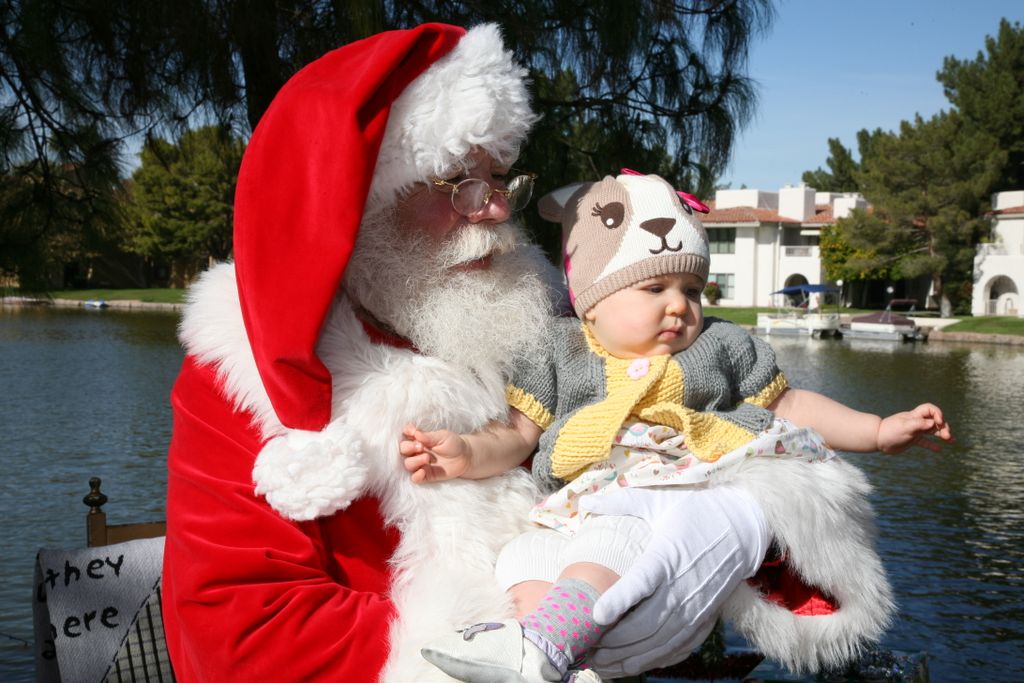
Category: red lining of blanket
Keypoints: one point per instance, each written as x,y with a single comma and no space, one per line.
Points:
778,583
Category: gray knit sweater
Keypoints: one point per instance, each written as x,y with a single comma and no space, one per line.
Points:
728,376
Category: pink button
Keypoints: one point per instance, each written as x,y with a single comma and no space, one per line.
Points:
638,368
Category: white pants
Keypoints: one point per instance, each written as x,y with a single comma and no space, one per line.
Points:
542,554
723,541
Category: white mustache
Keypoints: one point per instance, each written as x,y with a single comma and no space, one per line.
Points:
474,242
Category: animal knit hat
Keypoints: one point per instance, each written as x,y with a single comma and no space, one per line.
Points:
345,136
624,230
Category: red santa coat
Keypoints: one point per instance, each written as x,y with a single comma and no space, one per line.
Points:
334,565
246,590
353,595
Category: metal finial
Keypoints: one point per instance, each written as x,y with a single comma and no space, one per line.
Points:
95,498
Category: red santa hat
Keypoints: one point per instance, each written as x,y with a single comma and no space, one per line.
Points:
347,135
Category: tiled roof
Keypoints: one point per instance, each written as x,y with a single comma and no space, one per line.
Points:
748,214
1006,212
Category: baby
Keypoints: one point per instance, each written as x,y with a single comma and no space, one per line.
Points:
639,391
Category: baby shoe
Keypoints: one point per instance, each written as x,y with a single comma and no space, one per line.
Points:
584,676
492,652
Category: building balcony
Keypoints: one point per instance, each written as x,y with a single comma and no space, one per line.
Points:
1000,249
801,251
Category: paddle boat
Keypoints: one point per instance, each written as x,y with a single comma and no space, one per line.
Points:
886,325
800,312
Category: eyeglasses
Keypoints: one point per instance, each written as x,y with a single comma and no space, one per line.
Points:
472,194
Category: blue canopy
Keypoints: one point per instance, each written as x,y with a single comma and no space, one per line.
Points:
806,289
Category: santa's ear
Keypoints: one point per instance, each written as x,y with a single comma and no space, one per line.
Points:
552,205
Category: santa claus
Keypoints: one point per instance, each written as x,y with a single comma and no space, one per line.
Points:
378,281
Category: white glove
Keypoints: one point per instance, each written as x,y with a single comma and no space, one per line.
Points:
703,543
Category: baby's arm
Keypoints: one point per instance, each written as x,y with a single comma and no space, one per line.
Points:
851,430
442,455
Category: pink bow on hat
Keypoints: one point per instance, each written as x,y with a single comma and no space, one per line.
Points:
694,203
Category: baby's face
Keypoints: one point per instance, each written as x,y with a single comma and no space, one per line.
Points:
662,315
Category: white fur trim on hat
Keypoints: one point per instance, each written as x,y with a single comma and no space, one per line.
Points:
475,96
305,475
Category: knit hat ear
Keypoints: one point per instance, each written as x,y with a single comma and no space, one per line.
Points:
347,134
627,229
552,205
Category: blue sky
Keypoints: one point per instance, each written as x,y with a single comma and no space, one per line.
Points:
829,68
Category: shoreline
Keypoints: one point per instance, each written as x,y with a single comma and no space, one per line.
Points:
935,334
940,336
115,304
976,337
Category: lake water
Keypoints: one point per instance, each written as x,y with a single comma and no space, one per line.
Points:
85,393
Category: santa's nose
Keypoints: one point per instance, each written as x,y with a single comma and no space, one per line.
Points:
494,210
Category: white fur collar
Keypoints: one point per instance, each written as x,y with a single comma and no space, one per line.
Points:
212,330
306,474
303,474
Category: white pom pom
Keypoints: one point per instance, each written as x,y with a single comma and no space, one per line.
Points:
305,475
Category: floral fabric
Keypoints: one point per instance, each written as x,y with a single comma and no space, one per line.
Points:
645,455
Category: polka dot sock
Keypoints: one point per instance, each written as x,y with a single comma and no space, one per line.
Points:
563,625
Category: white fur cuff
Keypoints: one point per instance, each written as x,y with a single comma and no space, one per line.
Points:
305,475
821,518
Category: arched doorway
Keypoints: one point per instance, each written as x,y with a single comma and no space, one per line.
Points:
795,280
1003,297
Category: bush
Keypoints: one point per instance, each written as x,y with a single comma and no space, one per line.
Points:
712,292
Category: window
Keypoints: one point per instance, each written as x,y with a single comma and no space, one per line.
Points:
726,283
722,240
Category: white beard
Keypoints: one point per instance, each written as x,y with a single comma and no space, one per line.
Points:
482,320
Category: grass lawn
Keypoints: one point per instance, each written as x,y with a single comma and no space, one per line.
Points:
740,316
981,325
164,296
748,316
989,325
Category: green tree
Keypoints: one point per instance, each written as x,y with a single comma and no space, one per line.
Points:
850,248
841,174
182,199
643,83
59,172
53,213
649,84
988,92
928,185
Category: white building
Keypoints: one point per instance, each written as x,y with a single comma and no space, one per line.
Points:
763,241
999,263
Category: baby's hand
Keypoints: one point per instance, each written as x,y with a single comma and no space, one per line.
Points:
923,426
433,456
